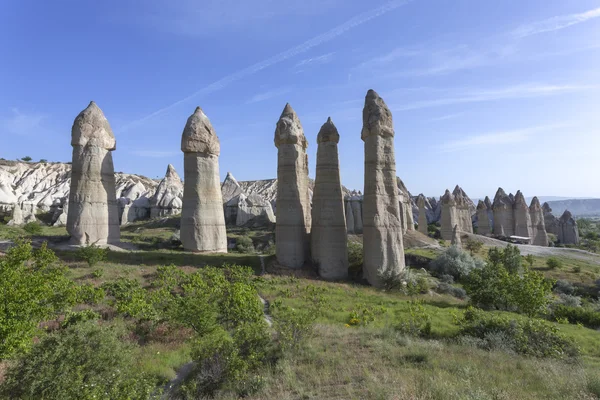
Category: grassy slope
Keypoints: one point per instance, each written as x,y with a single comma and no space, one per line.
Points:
373,361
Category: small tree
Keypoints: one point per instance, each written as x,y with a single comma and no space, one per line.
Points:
91,254
553,263
26,159
32,288
43,160
473,246
529,259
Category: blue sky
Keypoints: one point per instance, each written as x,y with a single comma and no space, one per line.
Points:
483,93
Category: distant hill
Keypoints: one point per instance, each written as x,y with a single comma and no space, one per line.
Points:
578,207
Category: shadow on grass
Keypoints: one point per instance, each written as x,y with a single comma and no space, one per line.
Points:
156,257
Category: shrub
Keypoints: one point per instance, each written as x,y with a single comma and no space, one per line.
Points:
446,288
569,300
529,259
390,279
553,263
33,288
72,318
361,314
578,315
292,326
33,228
496,287
532,337
563,286
84,361
509,258
43,160
355,258
453,261
98,273
26,158
418,321
91,254
577,269
244,244
473,246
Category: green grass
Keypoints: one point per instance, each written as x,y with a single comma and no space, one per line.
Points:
364,362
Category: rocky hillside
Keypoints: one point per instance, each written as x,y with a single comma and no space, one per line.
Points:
577,207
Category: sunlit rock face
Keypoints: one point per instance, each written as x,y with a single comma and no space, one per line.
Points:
202,217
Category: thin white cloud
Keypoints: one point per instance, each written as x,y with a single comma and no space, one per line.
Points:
19,123
447,117
513,92
268,95
495,139
555,23
319,60
154,154
283,56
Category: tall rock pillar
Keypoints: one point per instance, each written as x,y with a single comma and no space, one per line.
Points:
523,226
449,217
329,241
483,221
383,249
422,214
568,232
93,215
293,203
504,220
539,234
202,217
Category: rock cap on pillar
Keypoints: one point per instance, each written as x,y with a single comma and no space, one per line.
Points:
377,117
199,135
289,129
92,128
328,133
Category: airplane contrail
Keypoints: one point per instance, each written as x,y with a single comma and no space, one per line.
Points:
294,51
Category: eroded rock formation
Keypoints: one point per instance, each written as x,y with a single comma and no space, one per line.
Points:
382,225
504,221
464,207
406,207
568,232
456,237
449,216
422,214
484,225
293,202
168,198
202,217
550,220
328,233
538,227
93,212
523,226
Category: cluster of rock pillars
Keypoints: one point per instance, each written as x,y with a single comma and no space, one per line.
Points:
305,234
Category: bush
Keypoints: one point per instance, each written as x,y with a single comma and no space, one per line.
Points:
569,301
473,246
84,361
509,258
553,263
530,337
453,261
292,326
563,286
355,259
91,254
33,228
26,159
43,160
418,321
496,287
578,315
244,244
446,288
33,288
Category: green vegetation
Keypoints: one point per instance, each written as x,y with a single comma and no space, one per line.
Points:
82,362
553,263
504,284
33,288
162,308
26,158
32,228
91,254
